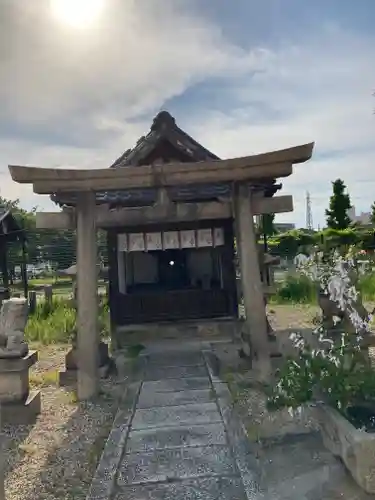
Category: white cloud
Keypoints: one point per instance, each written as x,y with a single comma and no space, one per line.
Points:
137,57
319,91
105,86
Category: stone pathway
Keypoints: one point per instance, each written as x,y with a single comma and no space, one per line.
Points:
176,436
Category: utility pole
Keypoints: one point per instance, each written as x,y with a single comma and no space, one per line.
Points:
309,217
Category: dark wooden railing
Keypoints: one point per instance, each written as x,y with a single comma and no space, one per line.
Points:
171,305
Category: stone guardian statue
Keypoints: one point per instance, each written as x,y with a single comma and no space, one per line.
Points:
13,319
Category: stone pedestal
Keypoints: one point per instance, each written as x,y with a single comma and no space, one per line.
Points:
68,376
18,405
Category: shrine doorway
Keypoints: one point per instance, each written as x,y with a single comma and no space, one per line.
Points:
173,271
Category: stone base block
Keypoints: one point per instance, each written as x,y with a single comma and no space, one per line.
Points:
21,413
189,330
14,377
67,378
356,448
71,356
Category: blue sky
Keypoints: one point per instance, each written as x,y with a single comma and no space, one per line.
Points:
242,77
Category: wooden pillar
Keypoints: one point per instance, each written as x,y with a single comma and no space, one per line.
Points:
256,320
4,262
113,286
24,269
227,255
239,290
87,302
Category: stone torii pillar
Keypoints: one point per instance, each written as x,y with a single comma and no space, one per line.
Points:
256,319
87,302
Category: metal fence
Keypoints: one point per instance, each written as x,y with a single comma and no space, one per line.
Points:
49,255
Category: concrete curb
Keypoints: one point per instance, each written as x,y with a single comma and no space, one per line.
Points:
103,483
239,442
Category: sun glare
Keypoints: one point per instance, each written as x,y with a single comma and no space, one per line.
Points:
77,13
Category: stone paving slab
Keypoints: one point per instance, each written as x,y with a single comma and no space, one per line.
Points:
173,416
213,488
166,465
175,437
176,359
150,400
161,373
173,385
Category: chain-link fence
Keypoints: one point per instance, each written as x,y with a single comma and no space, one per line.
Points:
50,260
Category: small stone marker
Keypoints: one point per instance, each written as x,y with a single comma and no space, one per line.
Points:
48,293
32,302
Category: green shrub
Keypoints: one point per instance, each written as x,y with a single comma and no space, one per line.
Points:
367,286
296,289
300,289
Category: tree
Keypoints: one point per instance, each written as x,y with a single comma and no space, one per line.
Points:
372,216
339,204
42,245
267,224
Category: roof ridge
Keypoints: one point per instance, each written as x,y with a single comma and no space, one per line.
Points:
164,127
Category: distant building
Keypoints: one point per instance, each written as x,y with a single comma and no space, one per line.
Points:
283,227
363,218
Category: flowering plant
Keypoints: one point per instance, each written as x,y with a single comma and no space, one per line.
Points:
335,369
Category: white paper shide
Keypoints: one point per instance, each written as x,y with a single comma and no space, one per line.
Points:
171,240
136,242
188,239
204,238
154,241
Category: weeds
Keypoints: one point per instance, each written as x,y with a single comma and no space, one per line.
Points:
299,289
55,322
134,351
44,379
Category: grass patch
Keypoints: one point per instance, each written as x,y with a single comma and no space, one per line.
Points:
55,322
299,289
44,379
296,289
70,397
134,351
253,433
367,286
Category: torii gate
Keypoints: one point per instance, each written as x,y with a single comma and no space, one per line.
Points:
242,172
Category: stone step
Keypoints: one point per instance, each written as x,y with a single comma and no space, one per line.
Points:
176,437
292,456
174,372
160,466
298,467
307,486
172,416
153,400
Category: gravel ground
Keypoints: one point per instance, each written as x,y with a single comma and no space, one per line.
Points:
56,457
283,317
